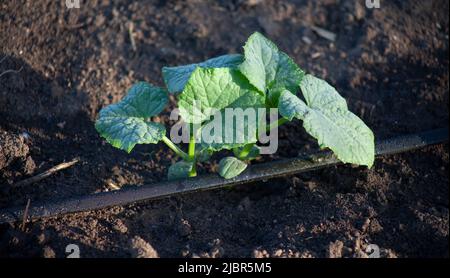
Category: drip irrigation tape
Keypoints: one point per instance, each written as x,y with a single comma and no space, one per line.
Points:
259,172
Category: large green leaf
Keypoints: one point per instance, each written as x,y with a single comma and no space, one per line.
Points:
180,170
326,117
230,167
269,69
126,124
177,77
211,90
215,90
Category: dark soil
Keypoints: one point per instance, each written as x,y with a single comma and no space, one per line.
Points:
391,64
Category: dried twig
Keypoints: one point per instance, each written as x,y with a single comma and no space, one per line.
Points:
3,59
76,26
25,215
131,34
47,173
11,71
324,33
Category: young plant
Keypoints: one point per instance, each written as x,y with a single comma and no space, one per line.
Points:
264,77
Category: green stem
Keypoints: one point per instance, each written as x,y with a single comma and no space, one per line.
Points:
175,148
191,153
193,172
191,150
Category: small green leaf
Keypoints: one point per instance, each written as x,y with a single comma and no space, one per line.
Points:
327,118
253,154
180,170
177,77
230,167
269,69
125,124
203,154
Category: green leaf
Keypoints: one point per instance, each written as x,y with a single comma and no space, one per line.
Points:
326,117
253,153
202,154
180,170
240,133
291,106
230,167
269,69
177,77
215,90
125,124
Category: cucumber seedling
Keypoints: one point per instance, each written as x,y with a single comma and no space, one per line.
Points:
262,78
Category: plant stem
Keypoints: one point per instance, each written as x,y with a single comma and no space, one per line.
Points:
191,153
191,150
176,149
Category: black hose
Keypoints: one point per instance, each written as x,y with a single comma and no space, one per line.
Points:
212,181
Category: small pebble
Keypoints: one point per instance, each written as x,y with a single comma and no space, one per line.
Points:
141,249
48,252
